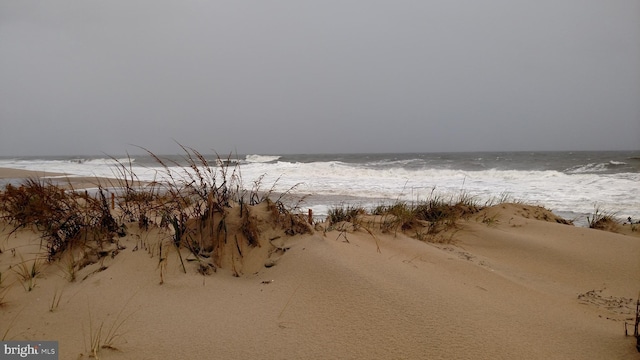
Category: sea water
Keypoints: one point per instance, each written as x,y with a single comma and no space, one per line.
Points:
571,184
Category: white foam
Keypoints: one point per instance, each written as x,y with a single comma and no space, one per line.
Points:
588,168
595,167
261,158
556,190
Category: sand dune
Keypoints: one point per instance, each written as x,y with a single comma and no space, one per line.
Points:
513,287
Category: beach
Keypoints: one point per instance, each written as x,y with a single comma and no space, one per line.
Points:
319,180
509,281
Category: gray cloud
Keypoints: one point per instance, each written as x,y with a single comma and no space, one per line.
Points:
84,77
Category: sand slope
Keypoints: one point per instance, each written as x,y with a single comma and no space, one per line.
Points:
513,287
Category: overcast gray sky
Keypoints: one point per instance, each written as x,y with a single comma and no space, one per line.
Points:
93,76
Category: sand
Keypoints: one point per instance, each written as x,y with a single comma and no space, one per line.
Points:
7,173
517,286
61,179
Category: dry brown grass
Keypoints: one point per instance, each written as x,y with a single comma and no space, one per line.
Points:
201,205
64,217
427,220
603,220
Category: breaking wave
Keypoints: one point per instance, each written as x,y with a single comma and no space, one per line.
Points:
261,158
595,167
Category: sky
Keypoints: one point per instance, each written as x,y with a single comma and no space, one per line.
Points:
271,77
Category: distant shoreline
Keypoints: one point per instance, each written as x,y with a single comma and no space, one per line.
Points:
9,173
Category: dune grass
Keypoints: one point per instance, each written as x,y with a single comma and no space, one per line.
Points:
55,300
63,217
427,218
345,213
200,204
423,219
105,334
27,273
435,219
602,219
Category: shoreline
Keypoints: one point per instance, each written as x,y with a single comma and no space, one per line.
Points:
11,173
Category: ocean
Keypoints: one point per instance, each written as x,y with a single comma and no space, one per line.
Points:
571,184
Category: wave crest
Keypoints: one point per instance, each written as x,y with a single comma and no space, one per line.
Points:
261,158
595,167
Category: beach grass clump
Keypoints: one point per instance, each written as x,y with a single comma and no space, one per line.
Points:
398,216
34,202
138,205
290,219
64,216
602,220
186,196
441,215
345,213
425,218
206,209
137,199
436,214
